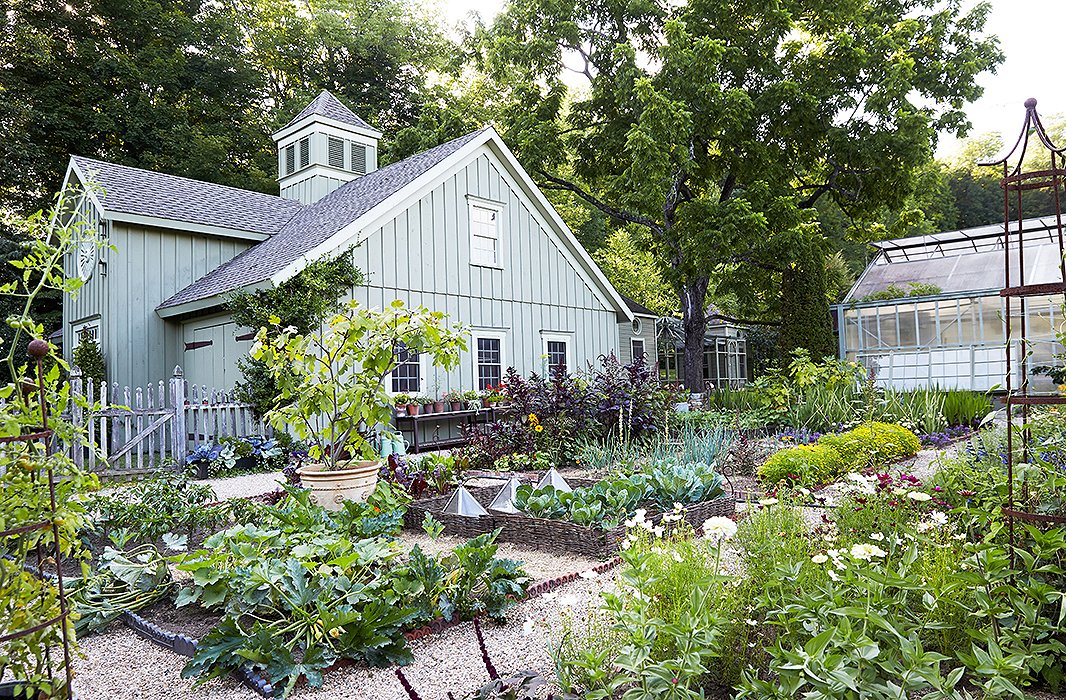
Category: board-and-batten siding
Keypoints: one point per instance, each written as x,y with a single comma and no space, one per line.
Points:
147,266
422,255
626,336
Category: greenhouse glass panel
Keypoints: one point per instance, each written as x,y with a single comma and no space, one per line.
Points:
927,322
851,331
908,326
948,314
888,335
992,319
968,322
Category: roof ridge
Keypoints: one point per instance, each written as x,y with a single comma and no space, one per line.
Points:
185,178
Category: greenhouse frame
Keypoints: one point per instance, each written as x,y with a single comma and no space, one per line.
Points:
954,337
725,353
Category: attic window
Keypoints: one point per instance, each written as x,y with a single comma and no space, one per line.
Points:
336,153
305,152
290,159
484,234
358,158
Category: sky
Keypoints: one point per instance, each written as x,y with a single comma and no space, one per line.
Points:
1027,33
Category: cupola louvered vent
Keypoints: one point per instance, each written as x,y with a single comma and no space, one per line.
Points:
290,159
358,159
305,152
336,153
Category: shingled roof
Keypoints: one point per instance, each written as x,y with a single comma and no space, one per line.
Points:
315,224
146,193
326,105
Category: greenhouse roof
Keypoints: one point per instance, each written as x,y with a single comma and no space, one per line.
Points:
970,260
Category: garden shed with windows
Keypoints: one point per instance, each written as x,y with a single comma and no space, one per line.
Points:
725,353
927,310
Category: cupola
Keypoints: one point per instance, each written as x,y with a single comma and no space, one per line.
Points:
323,147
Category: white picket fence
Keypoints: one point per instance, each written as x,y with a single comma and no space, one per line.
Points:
129,431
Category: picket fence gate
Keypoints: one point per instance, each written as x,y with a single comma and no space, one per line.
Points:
130,431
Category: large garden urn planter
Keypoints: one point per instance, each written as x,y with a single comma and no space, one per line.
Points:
331,488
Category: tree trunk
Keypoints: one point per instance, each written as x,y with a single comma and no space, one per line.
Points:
694,322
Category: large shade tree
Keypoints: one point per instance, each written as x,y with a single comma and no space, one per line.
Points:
717,126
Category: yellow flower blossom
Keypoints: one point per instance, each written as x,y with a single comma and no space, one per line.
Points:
538,428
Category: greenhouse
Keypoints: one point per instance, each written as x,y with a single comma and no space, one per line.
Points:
927,309
725,353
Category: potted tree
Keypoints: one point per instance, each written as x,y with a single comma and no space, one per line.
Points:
333,382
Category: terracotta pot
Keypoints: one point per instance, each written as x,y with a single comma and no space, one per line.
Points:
330,489
457,405
412,409
485,403
438,407
428,408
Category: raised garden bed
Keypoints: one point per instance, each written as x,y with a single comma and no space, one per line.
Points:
548,534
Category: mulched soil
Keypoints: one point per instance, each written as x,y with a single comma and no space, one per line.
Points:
190,620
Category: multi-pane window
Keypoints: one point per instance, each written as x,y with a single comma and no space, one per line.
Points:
556,352
484,235
489,362
407,377
335,148
638,349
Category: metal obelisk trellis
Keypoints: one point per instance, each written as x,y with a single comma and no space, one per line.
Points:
1016,290
43,434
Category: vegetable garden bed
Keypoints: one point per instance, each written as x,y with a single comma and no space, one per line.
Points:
550,534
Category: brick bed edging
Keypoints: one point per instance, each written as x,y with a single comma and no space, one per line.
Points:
185,646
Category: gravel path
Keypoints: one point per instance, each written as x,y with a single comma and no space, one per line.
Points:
245,485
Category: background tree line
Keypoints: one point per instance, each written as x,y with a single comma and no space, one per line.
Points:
719,159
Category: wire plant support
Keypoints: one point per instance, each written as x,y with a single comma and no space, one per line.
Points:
60,672
1017,289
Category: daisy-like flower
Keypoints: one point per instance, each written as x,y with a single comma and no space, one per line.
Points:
877,537
866,552
833,575
658,530
939,518
753,623
719,528
919,496
538,428
819,558
678,558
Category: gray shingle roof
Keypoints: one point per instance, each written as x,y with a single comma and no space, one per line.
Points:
637,307
146,193
327,105
314,224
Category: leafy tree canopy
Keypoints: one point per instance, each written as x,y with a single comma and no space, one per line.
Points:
717,127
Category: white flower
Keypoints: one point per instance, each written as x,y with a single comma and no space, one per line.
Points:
805,492
960,537
866,552
678,508
627,542
639,514
819,558
939,518
829,537
527,627
658,530
677,557
877,537
766,502
672,517
919,496
833,575
719,528
924,527
589,575
753,623
898,491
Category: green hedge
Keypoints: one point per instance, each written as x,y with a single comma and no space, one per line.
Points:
868,445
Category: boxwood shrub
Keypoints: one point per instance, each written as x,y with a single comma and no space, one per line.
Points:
873,444
809,465
869,445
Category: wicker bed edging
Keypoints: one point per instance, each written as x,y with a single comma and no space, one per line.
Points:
183,645
544,533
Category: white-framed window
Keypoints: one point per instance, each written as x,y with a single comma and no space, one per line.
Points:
485,220
638,348
489,357
407,377
85,330
557,351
